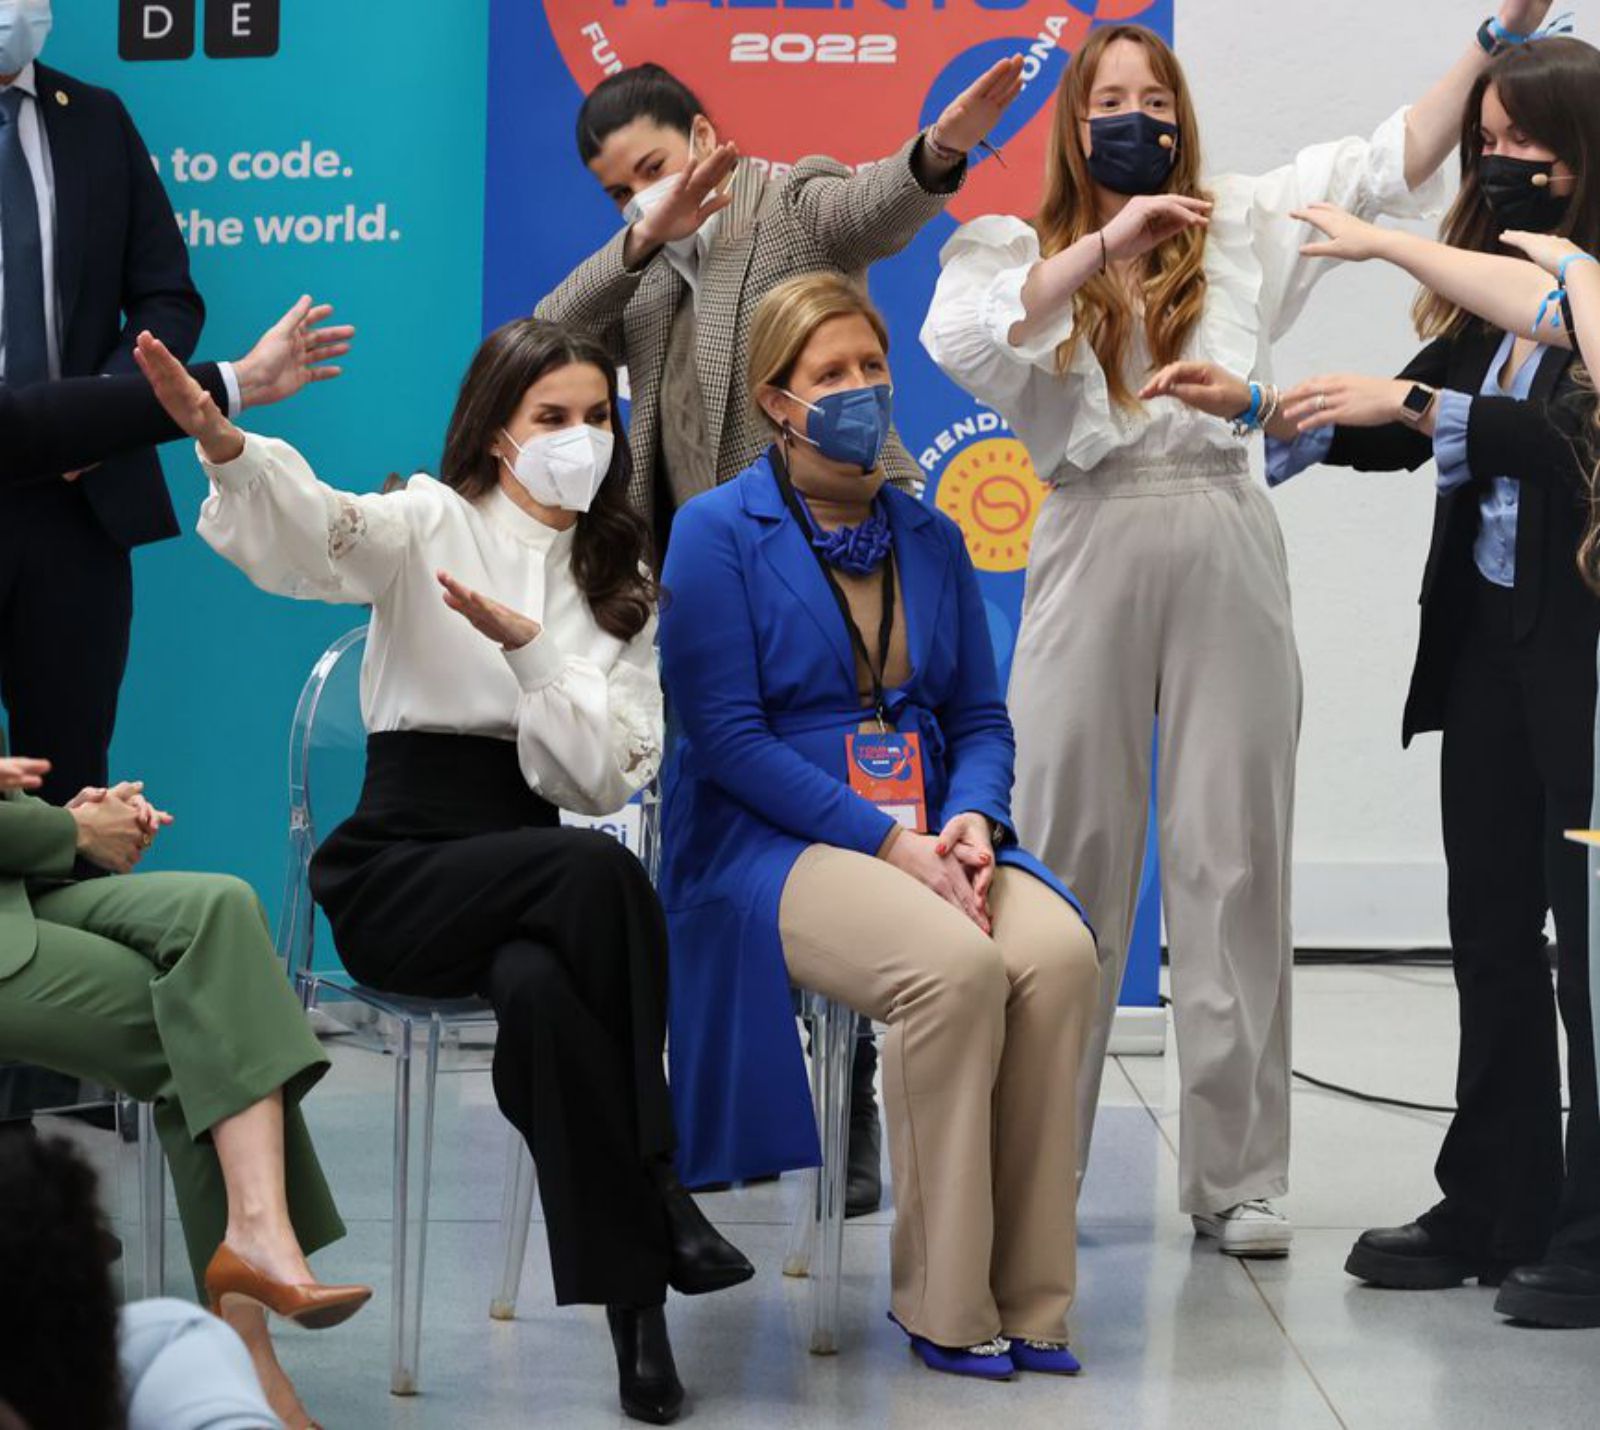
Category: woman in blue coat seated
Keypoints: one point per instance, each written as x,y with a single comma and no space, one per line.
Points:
837,816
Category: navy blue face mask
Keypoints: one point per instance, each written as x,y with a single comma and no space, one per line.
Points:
1128,156
851,426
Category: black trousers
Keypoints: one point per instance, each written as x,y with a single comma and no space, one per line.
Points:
66,605
452,878
1517,769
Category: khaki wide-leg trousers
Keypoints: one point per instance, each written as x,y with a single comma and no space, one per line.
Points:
1162,591
985,1040
166,987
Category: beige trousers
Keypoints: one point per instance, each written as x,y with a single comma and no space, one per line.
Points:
1164,590
985,1040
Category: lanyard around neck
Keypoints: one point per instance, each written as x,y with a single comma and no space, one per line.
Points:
857,640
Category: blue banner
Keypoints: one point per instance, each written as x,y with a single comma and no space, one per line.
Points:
784,80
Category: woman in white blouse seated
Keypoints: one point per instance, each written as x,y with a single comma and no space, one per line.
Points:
454,875
1157,573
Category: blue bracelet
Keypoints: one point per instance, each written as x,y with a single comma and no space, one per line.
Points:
1494,38
1245,422
1568,261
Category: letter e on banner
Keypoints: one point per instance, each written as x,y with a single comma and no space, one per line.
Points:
155,29
242,29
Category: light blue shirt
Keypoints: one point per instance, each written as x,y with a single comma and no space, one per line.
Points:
1495,550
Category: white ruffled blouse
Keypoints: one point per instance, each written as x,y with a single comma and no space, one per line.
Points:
1256,284
583,707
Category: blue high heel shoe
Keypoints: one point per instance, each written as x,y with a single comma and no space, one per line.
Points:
1045,1357
990,1361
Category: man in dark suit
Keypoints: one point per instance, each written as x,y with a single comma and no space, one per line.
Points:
91,256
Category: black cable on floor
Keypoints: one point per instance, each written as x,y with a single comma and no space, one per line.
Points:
1367,958
1372,1097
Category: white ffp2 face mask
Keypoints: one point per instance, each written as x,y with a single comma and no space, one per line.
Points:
565,468
24,27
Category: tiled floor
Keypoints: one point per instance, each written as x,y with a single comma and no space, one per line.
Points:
1172,1334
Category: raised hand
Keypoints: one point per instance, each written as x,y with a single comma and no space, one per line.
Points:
1346,400
1546,249
968,118
19,772
500,623
1204,386
1152,219
187,403
692,200
1346,236
294,351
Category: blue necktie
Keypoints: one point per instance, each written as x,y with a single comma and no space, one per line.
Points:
27,352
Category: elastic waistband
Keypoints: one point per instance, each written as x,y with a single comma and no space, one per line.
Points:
469,781
1208,469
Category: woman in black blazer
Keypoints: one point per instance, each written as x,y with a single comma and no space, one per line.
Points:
77,422
1505,668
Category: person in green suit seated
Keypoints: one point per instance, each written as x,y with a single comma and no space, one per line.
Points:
166,987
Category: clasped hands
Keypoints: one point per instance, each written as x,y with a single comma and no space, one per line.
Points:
957,864
116,826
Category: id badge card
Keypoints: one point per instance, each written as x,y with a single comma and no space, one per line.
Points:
886,768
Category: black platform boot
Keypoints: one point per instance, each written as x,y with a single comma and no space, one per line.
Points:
647,1379
702,1259
863,1188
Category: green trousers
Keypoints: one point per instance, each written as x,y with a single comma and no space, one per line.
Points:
166,987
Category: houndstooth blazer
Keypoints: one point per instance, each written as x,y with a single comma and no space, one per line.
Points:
820,215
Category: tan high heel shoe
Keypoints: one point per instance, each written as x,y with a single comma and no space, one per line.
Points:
230,1276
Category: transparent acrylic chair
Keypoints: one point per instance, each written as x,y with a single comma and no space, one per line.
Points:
816,1241
328,742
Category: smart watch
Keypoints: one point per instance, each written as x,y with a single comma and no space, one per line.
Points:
1414,406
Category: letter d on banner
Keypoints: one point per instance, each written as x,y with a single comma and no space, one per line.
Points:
155,29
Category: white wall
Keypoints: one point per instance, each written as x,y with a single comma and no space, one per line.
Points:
1270,76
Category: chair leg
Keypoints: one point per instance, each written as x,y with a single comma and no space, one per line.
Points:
803,1232
413,1166
516,1211
836,1037
152,1204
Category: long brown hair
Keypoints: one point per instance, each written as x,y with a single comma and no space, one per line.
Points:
1172,277
1549,89
611,542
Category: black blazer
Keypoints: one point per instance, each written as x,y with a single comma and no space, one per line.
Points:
1539,442
121,266
53,427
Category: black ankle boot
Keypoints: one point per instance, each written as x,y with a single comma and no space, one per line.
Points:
863,1187
647,1379
702,1259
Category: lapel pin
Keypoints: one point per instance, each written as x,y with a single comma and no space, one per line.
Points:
61,98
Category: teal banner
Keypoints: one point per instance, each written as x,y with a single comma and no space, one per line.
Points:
325,148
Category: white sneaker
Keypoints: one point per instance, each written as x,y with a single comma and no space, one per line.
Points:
1249,1229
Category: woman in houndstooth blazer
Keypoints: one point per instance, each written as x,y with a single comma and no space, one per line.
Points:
708,236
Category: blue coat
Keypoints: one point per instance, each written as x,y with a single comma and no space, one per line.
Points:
761,678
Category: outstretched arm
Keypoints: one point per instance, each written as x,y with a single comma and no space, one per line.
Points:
1434,122
1507,292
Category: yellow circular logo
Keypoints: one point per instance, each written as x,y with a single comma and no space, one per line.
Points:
993,494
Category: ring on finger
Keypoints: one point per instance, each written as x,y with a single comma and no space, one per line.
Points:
1322,401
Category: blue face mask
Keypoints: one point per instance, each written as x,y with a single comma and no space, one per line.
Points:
1128,155
24,25
850,426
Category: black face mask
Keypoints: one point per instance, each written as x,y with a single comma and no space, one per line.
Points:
1515,199
1128,156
